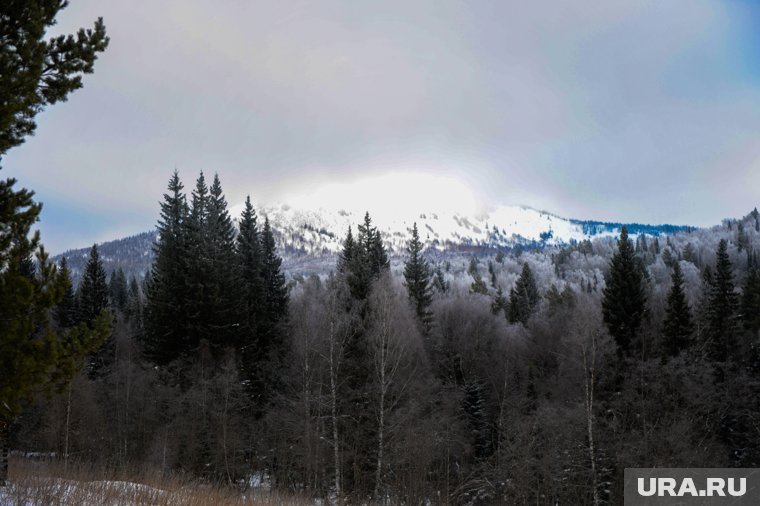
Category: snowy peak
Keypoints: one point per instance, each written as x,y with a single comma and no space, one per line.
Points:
321,231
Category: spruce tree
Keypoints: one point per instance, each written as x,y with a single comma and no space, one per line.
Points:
271,328
418,276
439,281
678,326
134,307
624,296
117,289
372,243
523,297
93,301
166,309
723,304
276,290
224,293
347,253
500,303
249,257
66,311
750,302
250,264
93,298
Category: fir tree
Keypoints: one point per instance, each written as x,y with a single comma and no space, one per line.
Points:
250,265
624,296
439,281
678,326
722,307
166,311
750,302
418,280
93,298
134,308
224,296
66,311
500,303
372,243
93,301
117,289
347,254
271,329
523,297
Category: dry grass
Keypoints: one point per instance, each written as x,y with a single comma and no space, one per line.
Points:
34,483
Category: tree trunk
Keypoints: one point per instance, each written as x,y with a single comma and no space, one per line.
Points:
4,451
334,412
589,377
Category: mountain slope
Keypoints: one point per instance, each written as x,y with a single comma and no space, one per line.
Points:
308,239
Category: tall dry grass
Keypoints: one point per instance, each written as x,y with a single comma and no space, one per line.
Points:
50,483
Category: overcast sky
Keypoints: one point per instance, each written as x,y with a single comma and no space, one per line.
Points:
636,110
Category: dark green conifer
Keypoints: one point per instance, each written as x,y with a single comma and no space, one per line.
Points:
417,275
500,303
93,290
624,296
523,297
166,310
66,311
678,325
439,281
750,302
722,308
117,289
250,264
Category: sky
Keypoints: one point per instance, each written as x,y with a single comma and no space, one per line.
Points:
632,110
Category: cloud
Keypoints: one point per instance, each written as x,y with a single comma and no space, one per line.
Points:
610,110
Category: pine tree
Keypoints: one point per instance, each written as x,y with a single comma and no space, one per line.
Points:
35,73
93,289
523,297
418,276
624,296
722,307
678,326
166,310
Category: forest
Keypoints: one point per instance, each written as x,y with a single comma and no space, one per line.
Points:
532,377
523,376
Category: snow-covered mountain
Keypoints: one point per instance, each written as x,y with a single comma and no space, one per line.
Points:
321,231
308,239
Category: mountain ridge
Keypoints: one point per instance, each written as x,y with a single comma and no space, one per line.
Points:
308,239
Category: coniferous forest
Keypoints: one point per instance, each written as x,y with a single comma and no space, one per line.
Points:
525,375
